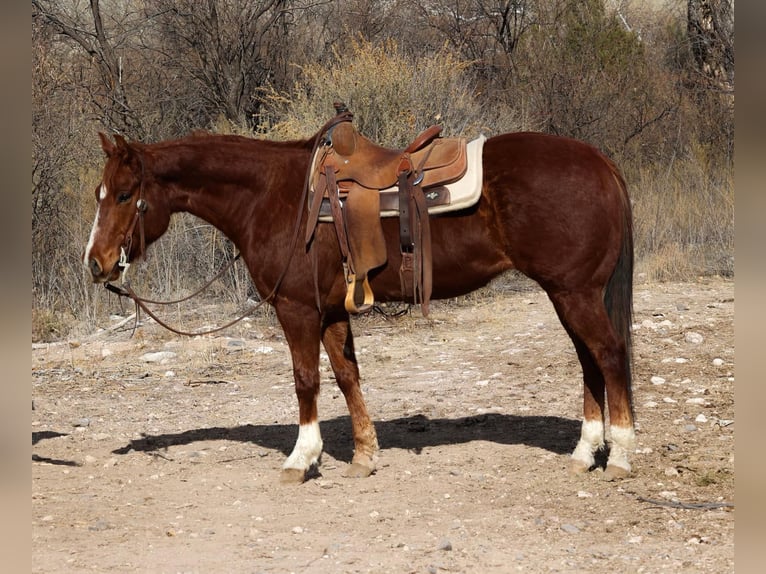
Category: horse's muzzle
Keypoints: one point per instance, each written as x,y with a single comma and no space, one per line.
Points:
95,268
99,275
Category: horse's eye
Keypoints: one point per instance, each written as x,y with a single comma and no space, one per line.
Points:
123,197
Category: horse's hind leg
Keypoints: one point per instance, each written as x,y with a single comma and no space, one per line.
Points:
603,359
339,344
592,431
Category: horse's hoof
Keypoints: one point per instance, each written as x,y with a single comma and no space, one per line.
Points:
292,476
356,470
578,467
614,472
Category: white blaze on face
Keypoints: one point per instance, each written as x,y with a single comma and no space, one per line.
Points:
94,229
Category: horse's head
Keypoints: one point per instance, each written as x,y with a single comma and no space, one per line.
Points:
130,213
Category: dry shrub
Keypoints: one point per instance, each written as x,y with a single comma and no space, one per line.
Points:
48,326
393,95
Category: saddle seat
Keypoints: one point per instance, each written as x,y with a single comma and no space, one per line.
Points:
357,159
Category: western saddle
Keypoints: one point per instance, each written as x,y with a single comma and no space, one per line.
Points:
354,182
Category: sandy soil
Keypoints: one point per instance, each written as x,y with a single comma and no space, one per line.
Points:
167,465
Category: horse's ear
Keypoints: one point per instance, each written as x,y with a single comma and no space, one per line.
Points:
106,144
121,143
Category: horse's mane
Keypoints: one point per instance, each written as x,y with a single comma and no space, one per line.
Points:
201,135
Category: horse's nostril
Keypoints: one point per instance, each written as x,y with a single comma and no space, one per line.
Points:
95,268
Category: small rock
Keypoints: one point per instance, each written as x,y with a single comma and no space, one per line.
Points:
157,357
297,530
583,494
83,422
657,380
105,352
693,338
570,528
650,404
170,374
701,418
690,428
445,545
669,400
99,526
671,471
695,401
717,362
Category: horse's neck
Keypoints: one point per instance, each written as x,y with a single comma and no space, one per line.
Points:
235,185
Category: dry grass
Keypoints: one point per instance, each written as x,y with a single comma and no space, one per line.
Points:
684,221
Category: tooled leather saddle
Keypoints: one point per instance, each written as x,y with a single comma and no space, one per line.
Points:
354,182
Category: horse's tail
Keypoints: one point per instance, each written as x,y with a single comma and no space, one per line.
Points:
618,296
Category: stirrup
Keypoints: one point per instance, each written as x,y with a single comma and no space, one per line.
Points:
359,296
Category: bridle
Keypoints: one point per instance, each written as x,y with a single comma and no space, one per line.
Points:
126,290
127,243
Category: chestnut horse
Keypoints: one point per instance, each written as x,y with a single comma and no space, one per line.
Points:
554,208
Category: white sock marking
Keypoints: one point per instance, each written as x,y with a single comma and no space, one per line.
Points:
307,448
623,443
591,439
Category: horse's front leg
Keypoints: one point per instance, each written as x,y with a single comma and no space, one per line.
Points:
339,344
301,326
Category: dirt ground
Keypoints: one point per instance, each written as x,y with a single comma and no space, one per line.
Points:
170,463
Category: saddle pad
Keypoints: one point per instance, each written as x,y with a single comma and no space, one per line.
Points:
463,193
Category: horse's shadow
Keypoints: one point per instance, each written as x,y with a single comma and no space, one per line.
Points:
44,435
414,433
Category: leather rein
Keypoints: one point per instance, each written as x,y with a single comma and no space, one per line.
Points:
125,289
